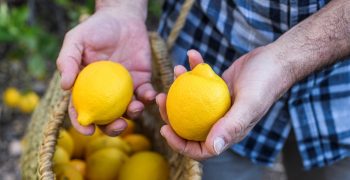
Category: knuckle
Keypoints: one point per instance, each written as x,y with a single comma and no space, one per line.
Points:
237,131
69,34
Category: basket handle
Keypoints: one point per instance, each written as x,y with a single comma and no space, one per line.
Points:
51,132
179,23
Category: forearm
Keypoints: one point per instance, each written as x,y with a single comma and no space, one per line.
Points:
139,7
318,41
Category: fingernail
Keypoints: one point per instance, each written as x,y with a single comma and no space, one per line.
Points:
116,132
137,111
157,101
219,145
161,132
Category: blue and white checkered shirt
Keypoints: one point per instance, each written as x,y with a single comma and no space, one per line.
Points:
317,108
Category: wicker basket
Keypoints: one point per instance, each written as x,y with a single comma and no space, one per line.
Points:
41,137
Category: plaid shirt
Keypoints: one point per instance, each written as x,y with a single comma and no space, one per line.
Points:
317,108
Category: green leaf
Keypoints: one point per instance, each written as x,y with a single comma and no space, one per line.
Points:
64,3
36,66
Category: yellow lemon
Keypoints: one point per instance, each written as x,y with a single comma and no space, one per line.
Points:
102,92
107,142
80,141
145,165
11,97
28,102
78,165
130,129
60,156
66,171
66,142
105,164
196,100
138,142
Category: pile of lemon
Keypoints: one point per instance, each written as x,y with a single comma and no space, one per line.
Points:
101,157
25,102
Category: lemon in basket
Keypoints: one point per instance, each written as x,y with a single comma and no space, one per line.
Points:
81,141
105,164
60,156
102,92
145,165
66,171
107,142
196,100
129,129
138,142
65,141
78,165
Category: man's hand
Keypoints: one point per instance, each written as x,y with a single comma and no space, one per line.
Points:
259,78
255,82
115,32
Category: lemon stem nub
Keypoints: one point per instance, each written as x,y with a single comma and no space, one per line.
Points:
84,119
203,70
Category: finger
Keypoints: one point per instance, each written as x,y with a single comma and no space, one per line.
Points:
69,59
174,141
135,109
178,70
194,58
233,127
114,128
146,93
86,130
193,149
161,102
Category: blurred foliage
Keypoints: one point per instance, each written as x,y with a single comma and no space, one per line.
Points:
32,30
29,41
33,42
75,9
154,8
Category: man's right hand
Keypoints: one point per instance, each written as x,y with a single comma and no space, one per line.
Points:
117,33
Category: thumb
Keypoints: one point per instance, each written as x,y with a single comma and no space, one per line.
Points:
234,126
194,58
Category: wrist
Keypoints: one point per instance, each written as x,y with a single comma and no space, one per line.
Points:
285,71
136,7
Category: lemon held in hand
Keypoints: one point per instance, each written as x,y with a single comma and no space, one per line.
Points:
196,100
102,92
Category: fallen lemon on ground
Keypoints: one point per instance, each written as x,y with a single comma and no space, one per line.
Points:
145,165
196,100
105,164
11,97
138,142
102,92
28,102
